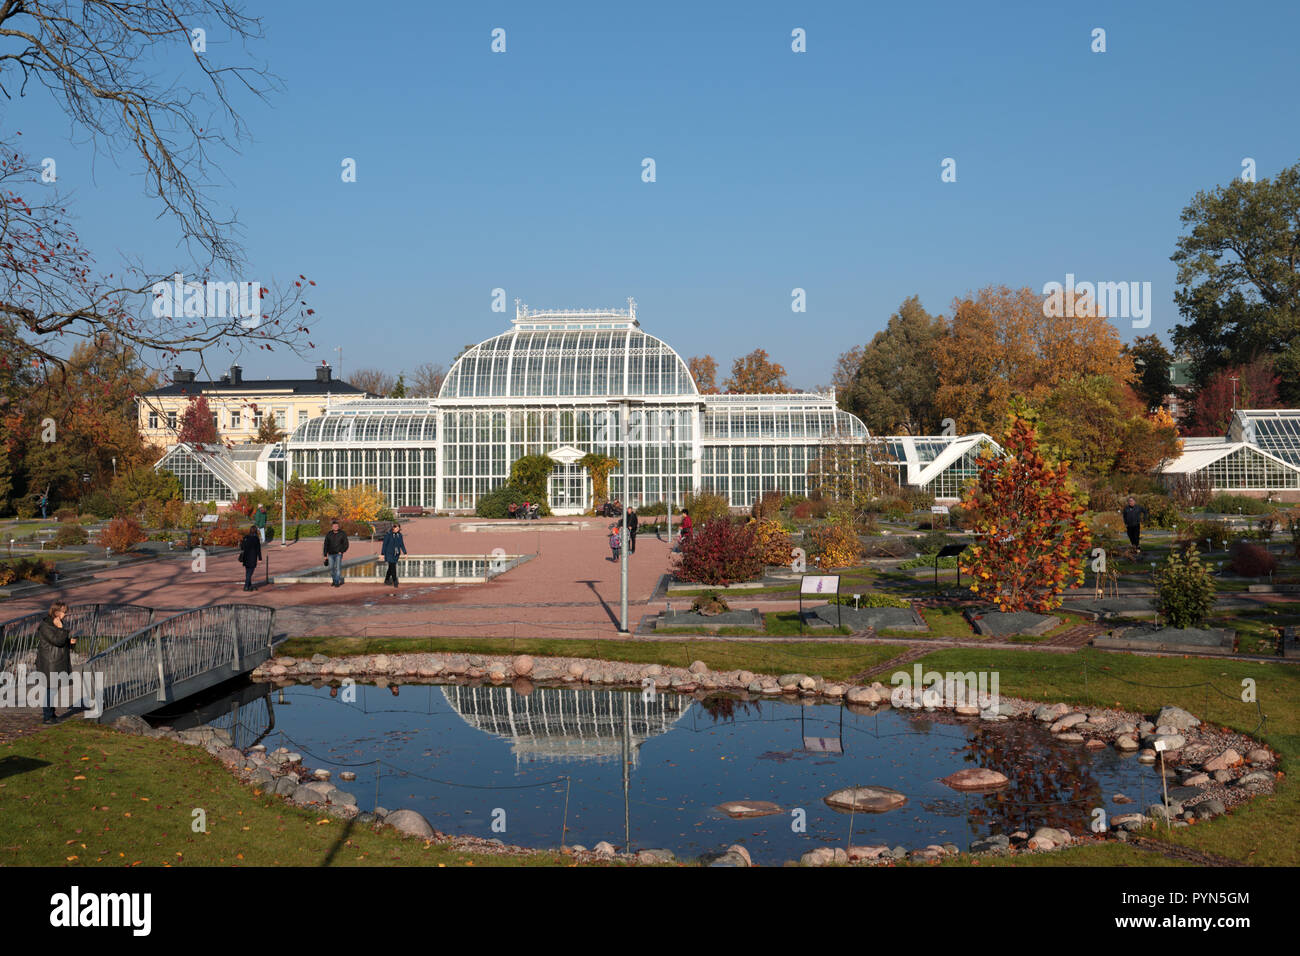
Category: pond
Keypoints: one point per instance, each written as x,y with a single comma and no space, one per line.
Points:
651,773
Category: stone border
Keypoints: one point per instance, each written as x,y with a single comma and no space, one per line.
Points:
1207,760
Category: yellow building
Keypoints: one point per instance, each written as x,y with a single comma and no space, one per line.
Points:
239,405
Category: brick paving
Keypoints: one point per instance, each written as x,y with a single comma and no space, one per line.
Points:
570,590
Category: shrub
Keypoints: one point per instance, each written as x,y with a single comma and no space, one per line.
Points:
71,534
652,510
26,569
1102,497
1267,526
833,546
929,561
933,543
767,505
771,541
101,504
710,603
358,503
893,508
141,483
1161,511
810,510
1214,531
496,503
1107,525
25,508
66,514
874,599
1184,589
353,529
223,536
122,534
1030,537
719,552
705,506
1226,504
1251,560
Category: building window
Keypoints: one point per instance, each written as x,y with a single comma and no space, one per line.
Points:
234,418
171,420
153,420
280,419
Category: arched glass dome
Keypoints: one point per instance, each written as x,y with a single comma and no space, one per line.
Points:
551,354
376,427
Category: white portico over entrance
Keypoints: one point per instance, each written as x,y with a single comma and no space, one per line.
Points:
568,487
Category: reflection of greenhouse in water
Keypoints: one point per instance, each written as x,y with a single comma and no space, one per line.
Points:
559,723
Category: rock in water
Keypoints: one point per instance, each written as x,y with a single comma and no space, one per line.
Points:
975,778
866,799
741,809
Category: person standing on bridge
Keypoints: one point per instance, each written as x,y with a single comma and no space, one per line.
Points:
393,548
53,655
336,542
250,552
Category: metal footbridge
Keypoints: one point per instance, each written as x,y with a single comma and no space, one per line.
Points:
147,661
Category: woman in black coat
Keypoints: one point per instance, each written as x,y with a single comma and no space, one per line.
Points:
53,654
250,552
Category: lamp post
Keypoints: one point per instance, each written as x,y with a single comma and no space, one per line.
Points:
625,405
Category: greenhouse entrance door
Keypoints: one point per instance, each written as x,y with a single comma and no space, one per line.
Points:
568,487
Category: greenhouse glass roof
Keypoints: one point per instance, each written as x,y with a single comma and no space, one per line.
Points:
579,353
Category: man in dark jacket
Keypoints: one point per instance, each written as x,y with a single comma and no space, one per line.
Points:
250,552
393,548
53,655
632,522
336,542
1133,514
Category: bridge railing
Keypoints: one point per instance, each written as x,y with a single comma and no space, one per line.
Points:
95,626
179,647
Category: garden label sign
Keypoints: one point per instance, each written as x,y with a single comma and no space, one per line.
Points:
820,585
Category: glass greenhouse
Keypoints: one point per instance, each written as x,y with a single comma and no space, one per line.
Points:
566,383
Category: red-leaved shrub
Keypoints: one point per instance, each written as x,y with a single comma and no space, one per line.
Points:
1251,560
720,552
122,534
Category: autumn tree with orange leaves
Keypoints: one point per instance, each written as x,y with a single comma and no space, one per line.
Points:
1030,538
1002,344
755,374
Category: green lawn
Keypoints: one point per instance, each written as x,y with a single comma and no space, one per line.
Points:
80,794
833,661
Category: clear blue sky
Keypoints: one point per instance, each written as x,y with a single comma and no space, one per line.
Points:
775,170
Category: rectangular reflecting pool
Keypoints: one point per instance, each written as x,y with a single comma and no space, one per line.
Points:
415,568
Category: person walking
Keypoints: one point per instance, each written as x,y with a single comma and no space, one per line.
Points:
336,543
259,520
687,525
1133,514
250,552
615,541
53,655
394,547
632,522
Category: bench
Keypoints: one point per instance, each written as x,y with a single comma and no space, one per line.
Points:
411,511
